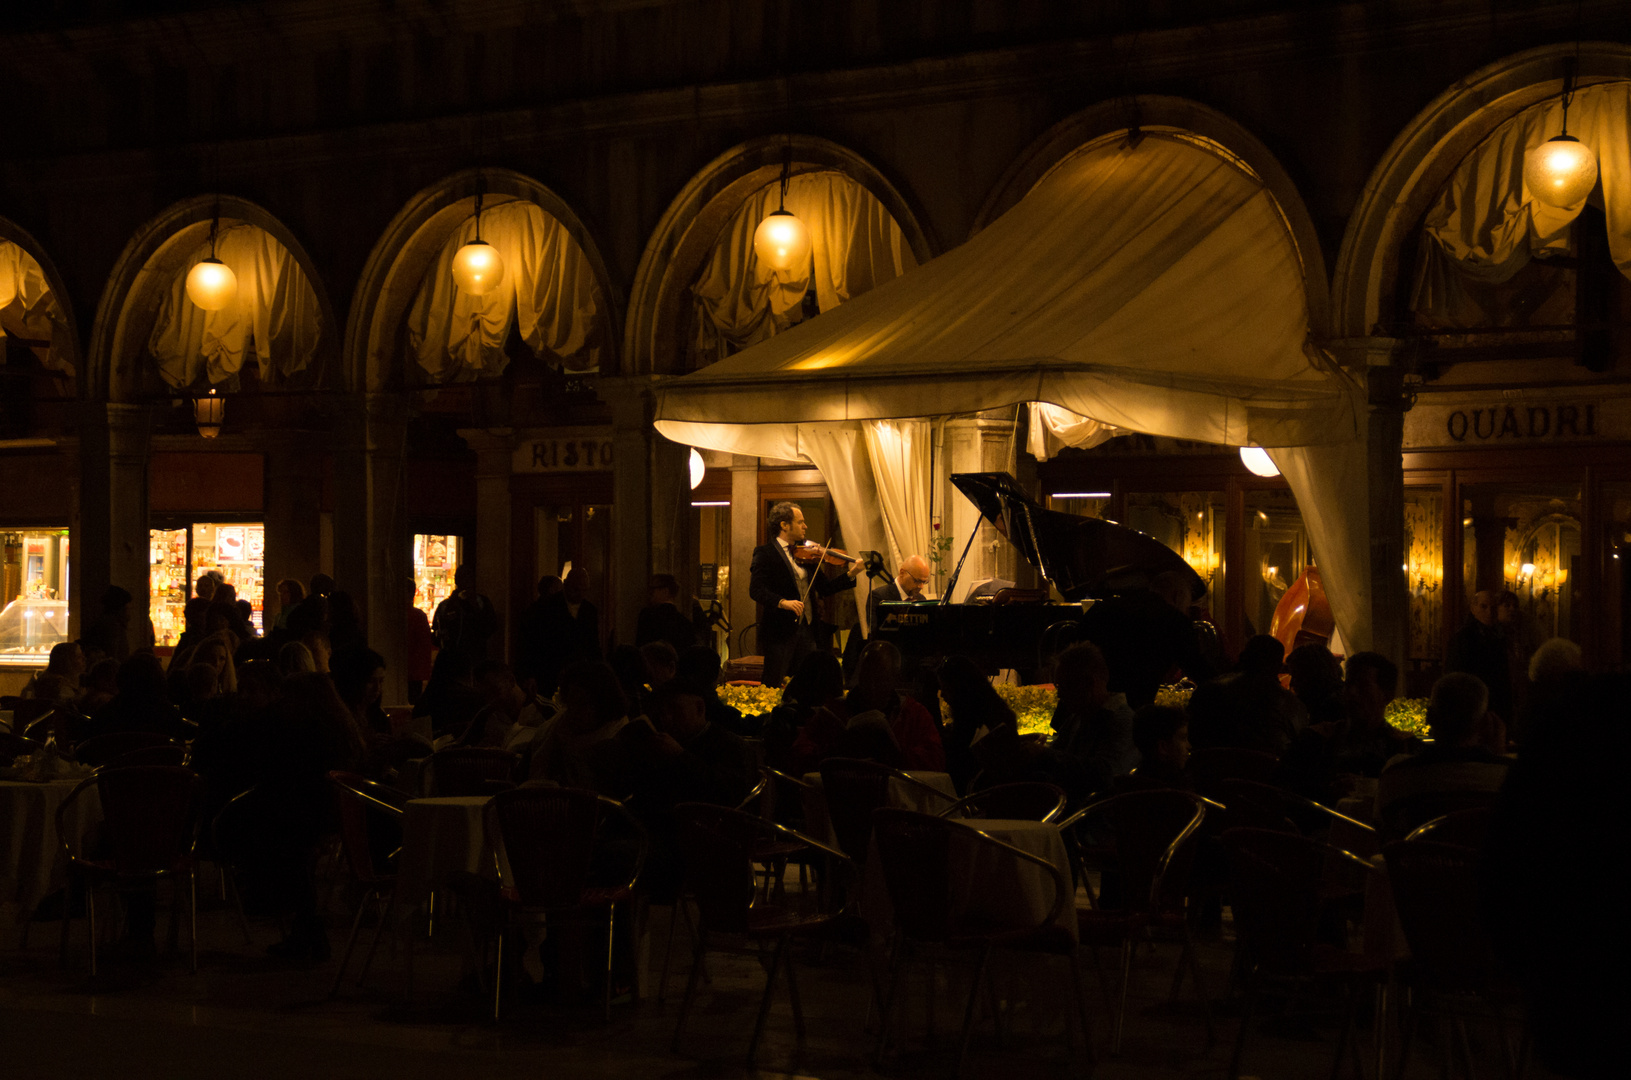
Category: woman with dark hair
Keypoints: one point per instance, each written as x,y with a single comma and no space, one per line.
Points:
968,702
359,677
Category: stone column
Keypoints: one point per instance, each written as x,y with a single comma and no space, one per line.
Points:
745,532
1376,359
632,436
294,511
112,544
973,444
495,450
373,553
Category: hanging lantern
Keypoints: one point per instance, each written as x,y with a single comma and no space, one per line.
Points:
1257,460
210,412
1562,170
478,268
698,468
782,241
211,284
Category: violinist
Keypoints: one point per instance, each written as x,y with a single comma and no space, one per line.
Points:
783,588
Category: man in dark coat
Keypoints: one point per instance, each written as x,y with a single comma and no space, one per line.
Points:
906,585
780,587
570,630
1479,648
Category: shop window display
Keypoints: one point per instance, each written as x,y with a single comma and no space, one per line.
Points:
179,557
435,559
33,594
1424,572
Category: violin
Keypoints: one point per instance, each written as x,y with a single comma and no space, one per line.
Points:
815,555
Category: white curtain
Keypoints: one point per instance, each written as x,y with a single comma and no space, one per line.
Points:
29,310
898,452
1486,225
1051,429
549,294
855,245
274,315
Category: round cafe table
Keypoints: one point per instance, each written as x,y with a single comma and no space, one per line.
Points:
818,824
989,886
440,837
33,863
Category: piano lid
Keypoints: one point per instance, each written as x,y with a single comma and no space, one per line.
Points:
1083,557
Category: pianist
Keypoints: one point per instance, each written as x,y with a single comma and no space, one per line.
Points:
781,587
906,585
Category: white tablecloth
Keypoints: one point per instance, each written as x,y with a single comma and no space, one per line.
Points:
440,837
989,884
818,824
33,863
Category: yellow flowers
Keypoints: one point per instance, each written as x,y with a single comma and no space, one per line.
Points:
1032,705
751,700
1408,715
1176,697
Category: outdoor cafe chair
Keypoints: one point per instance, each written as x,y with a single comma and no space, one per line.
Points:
1464,828
854,788
101,749
1277,898
1452,972
549,839
1152,838
149,830
1209,766
370,817
718,846
915,851
1025,800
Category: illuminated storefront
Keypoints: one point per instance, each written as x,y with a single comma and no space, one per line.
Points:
180,556
33,594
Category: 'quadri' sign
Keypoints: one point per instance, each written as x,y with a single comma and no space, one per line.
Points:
1516,422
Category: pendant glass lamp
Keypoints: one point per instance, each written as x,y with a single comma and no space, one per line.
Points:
1562,170
698,468
211,284
478,268
1257,460
782,241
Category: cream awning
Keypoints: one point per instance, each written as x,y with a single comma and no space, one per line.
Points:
1151,287
1154,288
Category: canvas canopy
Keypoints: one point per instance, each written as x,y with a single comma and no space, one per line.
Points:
1146,285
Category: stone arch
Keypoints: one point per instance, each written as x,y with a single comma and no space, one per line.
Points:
1424,155
411,242
687,231
16,234
1157,112
145,269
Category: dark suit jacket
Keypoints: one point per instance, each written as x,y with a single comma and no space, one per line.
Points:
889,590
771,581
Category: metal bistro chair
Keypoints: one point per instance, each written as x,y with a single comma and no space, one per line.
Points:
915,850
854,789
365,806
1020,801
1311,818
1463,828
163,754
1277,901
1452,971
471,770
13,747
718,845
549,838
1153,846
1209,766
150,828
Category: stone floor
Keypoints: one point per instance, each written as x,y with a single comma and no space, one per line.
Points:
245,1015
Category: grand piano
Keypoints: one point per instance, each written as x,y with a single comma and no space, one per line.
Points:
1084,558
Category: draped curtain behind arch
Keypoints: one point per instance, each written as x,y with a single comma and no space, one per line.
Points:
549,294
29,310
1485,225
274,315
855,245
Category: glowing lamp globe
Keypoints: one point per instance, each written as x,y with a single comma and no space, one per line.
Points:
1561,171
782,242
698,467
211,284
478,268
1256,459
